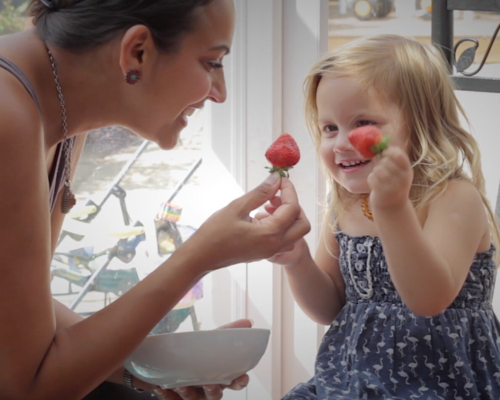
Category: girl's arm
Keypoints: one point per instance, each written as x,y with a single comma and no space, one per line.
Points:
429,264
317,284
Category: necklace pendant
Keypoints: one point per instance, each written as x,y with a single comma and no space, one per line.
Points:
68,199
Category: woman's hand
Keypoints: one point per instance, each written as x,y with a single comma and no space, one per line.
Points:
231,236
391,179
209,392
292,254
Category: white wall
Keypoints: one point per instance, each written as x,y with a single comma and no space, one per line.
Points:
482,111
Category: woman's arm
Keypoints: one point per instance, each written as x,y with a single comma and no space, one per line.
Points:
38,360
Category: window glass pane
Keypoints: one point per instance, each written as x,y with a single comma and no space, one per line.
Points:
13,16
135,204
350,19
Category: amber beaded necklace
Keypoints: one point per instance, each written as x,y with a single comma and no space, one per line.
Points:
365,207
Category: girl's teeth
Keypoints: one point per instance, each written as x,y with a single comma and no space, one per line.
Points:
352,163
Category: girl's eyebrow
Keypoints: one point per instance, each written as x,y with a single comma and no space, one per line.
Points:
325,121
365,114
221,47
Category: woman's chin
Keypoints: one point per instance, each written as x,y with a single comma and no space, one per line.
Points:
167,141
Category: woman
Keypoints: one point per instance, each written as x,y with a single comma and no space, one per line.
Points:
146,65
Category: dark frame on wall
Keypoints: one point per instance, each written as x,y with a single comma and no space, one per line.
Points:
442,36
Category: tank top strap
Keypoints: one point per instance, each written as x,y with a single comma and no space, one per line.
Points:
56,175
16,71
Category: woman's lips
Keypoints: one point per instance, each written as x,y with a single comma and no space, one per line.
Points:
185,114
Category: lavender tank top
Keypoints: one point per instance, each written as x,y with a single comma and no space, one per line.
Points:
56,175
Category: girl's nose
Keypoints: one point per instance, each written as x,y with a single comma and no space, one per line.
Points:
342,143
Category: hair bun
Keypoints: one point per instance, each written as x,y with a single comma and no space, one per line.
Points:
49,4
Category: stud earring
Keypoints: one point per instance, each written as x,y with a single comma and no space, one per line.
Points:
133,76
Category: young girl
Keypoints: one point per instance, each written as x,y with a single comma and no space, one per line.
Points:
405,270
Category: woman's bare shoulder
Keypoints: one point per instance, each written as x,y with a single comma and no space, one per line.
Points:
22,145
20,120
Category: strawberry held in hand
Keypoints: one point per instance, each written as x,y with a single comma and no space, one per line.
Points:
283,154
368,141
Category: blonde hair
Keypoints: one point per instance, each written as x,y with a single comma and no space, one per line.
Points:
414,77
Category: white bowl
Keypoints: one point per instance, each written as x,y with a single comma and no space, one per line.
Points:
198,358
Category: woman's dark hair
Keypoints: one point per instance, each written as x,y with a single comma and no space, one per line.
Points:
78,25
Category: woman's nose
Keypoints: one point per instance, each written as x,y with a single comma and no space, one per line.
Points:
218,92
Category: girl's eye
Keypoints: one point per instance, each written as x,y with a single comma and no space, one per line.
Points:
365,122
330,128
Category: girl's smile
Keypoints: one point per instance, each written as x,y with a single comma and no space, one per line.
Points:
343,105
349,166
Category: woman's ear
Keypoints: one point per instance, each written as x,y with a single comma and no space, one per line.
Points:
137,46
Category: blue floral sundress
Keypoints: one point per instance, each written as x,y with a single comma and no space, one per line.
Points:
377,348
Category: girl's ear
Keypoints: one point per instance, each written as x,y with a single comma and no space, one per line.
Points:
136,48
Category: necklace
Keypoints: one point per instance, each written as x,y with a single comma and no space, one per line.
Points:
68,199
365,207
364,293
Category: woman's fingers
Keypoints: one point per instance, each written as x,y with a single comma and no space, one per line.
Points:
165,394
300,227
213,392
209,392
241,323
261,215
239,383
258,196
288,217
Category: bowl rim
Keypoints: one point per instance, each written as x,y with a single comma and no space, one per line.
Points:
208,332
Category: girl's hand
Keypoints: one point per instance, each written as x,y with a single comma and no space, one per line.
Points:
231,236
391,179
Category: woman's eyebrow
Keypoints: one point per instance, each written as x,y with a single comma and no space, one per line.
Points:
221,47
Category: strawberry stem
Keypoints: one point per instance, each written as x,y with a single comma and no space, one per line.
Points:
381,146
283,171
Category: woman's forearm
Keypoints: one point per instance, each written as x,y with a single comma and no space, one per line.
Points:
129,319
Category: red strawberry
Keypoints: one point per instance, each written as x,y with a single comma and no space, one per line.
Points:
368,141
283,154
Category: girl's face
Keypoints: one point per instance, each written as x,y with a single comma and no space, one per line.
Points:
344,105
181,83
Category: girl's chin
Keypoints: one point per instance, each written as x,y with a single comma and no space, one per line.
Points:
356,189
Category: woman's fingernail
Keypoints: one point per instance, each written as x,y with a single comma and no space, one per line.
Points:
273,178
182,389
251,322
209,388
